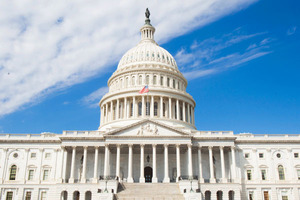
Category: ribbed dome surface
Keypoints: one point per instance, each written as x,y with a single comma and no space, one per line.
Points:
147,51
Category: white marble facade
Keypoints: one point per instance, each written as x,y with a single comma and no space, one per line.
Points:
149,138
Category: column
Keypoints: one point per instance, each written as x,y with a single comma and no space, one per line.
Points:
64,168
111,111
117,109
142,177
152,106
178,110
224,180
143,106
118,162
233,163
189,114
101,115
106,160
128,109
71,180
201,180
5,165
26,161
178,162
125,108
166,178
161,107
154,177
190,165
95,179
211,166
133,107
130,179
193,116
170,108
83,176
106,113
183,112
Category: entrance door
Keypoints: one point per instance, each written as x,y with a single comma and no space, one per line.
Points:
148,174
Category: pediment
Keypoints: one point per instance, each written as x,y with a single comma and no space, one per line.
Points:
147,128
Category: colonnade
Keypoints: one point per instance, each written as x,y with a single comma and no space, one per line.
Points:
166,178
147,105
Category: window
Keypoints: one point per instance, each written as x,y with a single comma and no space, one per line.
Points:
147,79
168,82
47,155
296,155
131,109
133,80
30,174
263,174
298,174
15,155
281,172
33,155
147,108
249,174
43,195
251,195
28,196
266,195
285,197
173,83
161,81
278,155
46,174
140,109
261,155
9,195
155,108
154,80
13,172
246,155
164,109
140,80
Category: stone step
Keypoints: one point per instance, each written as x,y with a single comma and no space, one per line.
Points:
149,191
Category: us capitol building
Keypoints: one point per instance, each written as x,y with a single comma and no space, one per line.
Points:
147,147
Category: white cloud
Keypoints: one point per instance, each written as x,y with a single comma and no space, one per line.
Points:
206,57
49,45
92,99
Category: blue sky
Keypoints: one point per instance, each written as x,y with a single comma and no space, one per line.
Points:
241,60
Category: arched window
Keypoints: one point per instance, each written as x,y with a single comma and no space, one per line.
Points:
13,172
207,195
133,80
231,195
168,82
164,109
140,80
173,83
154,80
219,195
140,109
161,80
281,172
126,82
155,108
147,80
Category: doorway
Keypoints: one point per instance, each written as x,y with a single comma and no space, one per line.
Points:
148,174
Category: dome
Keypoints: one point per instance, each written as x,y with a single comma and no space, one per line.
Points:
147,51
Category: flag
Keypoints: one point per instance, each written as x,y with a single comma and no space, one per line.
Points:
144,90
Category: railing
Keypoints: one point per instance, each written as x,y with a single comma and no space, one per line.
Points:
109,177
214,133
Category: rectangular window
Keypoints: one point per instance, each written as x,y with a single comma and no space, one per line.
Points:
43,195
47,155
33,155
261,155
246,155
296,155
298,174
9,196
284,197
263,174
266,195
28,196
30,174
249,175
46,174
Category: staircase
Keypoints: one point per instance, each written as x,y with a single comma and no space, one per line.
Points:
149,191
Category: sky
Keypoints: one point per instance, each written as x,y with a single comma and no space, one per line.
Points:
241,60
